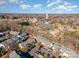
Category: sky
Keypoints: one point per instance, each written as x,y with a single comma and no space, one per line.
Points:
40,6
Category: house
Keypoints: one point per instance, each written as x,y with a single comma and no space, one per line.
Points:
23,44
2,34
41,52
27,45
13,54
1,45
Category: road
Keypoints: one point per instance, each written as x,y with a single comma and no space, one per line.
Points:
68,51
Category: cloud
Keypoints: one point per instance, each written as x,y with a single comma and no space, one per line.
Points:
67,7
24,7
2,6
2,3
57,0
37,5
52,2
62,6
66,3
48,1
13,1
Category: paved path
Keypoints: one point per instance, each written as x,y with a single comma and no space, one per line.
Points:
68,51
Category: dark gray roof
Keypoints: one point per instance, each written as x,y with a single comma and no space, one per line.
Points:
41,39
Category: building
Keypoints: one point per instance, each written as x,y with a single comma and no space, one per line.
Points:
29,44
13,54
41,52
